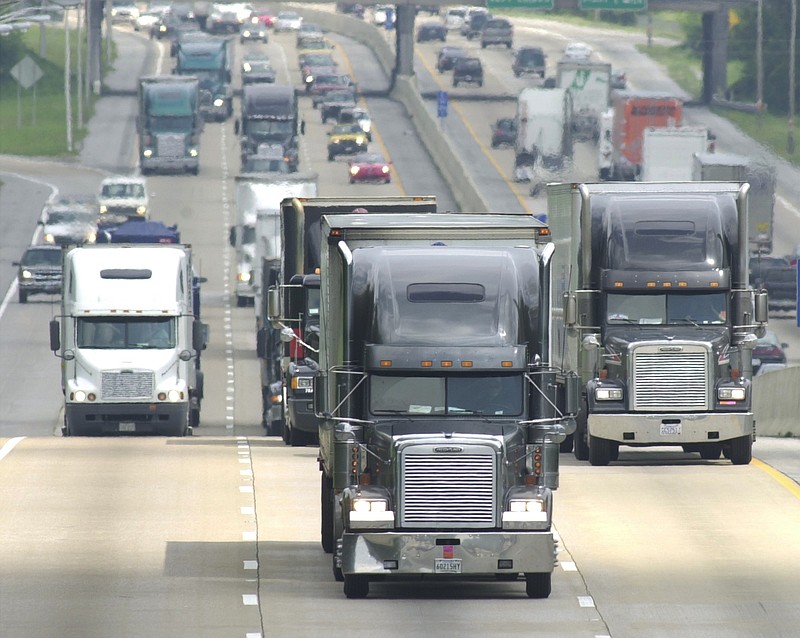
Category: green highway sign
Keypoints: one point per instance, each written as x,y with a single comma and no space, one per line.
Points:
519,4
614,5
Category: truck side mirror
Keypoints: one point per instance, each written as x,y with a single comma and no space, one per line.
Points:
319,395
236,127
261,343
199,335
762,306
274,306
570,309
232,236
55,336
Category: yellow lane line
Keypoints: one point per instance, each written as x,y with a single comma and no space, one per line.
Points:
781,478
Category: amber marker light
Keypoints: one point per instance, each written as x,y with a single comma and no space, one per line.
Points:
667,284
426,364
446,364
714,284
506,364
683,284
651,284
386,363
618,284
466,364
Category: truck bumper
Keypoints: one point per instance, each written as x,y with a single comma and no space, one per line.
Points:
301,413
170,164
670,428
417,553
170,419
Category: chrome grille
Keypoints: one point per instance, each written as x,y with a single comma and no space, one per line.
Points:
448,490
170,145
670,381
127,385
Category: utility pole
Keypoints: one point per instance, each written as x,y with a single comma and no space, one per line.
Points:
760,63
792,38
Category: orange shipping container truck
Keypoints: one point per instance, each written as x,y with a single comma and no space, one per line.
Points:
633,113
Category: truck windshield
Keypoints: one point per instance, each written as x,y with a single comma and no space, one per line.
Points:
678,308
126,333
172,124
276,128
496,395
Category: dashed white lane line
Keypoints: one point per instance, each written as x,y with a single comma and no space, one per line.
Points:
585,601
9,445
246,489
249,599
568,566
249,565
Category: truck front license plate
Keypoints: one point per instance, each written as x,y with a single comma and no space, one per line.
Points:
670,429
447,566
126,426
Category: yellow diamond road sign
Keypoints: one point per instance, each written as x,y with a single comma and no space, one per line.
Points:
26,72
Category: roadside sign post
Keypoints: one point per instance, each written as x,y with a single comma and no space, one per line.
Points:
27,73
441,106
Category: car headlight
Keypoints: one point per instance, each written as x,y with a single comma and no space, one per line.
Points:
91,237
246,34
162,28
141,210
608,394
49,238
244,277
731,394
384,169
360,140
27,274
219,102
247,68
148,152
103,207
193,152
309,79
354,170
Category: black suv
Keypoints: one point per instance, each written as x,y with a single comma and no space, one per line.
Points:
778,276
529,61
39,271
468,70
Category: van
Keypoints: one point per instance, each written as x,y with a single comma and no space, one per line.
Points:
497,31
529,61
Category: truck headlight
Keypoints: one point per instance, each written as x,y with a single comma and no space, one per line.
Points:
244,277
91,237
731,394
193,152
141,210
49,238
608,394
302,383
174,396
369,505
526,505
246,67
219,102
148,152
103,207
79,396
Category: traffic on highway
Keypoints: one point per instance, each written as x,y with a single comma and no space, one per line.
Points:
299,348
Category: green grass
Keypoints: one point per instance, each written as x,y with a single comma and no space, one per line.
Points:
47,136
680,64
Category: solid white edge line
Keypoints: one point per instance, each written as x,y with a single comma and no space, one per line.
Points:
9,445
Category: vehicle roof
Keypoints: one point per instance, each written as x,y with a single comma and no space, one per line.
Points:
123,179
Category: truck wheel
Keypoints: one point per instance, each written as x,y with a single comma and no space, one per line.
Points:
326,514
741,450
356,586
196,170
338,576
23,296
566,444
538,585
194,417
599,451
710,451
580,445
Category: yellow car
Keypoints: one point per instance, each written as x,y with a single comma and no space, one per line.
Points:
346,139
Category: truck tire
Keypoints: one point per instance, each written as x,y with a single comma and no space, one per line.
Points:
194,417
567,443
356,586
23,296
741,450
538,585
326,514
710,451
599,451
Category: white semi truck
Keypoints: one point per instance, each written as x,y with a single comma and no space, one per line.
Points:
128,337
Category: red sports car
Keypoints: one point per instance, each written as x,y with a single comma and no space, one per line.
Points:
265,15
369,167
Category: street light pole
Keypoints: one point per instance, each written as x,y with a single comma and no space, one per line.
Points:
67,80
79,62
792,38
760,63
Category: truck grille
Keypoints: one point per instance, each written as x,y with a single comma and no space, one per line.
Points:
670,381
170,145
441,490
127,385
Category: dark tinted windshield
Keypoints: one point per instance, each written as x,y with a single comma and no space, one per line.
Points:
128,333
41,257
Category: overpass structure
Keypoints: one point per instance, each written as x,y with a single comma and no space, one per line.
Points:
714,17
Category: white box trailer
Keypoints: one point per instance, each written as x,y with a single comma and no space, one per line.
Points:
127,337
589,85
668,152
544,129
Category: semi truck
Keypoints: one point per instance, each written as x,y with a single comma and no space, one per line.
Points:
269,115
169,124
298,287
589,85
262,196
633,113
657,317
440,416
127,337
668,153
544,131
760,173
209,60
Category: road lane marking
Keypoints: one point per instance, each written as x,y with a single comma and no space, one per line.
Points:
249,599
785,481
9,445
586,601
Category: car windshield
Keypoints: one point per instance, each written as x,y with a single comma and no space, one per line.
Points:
123,190
369,158
673,308
126,333
345,129
70,216
256,65
41,257
447,395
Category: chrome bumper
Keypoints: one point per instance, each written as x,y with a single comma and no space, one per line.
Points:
671,428
417,553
